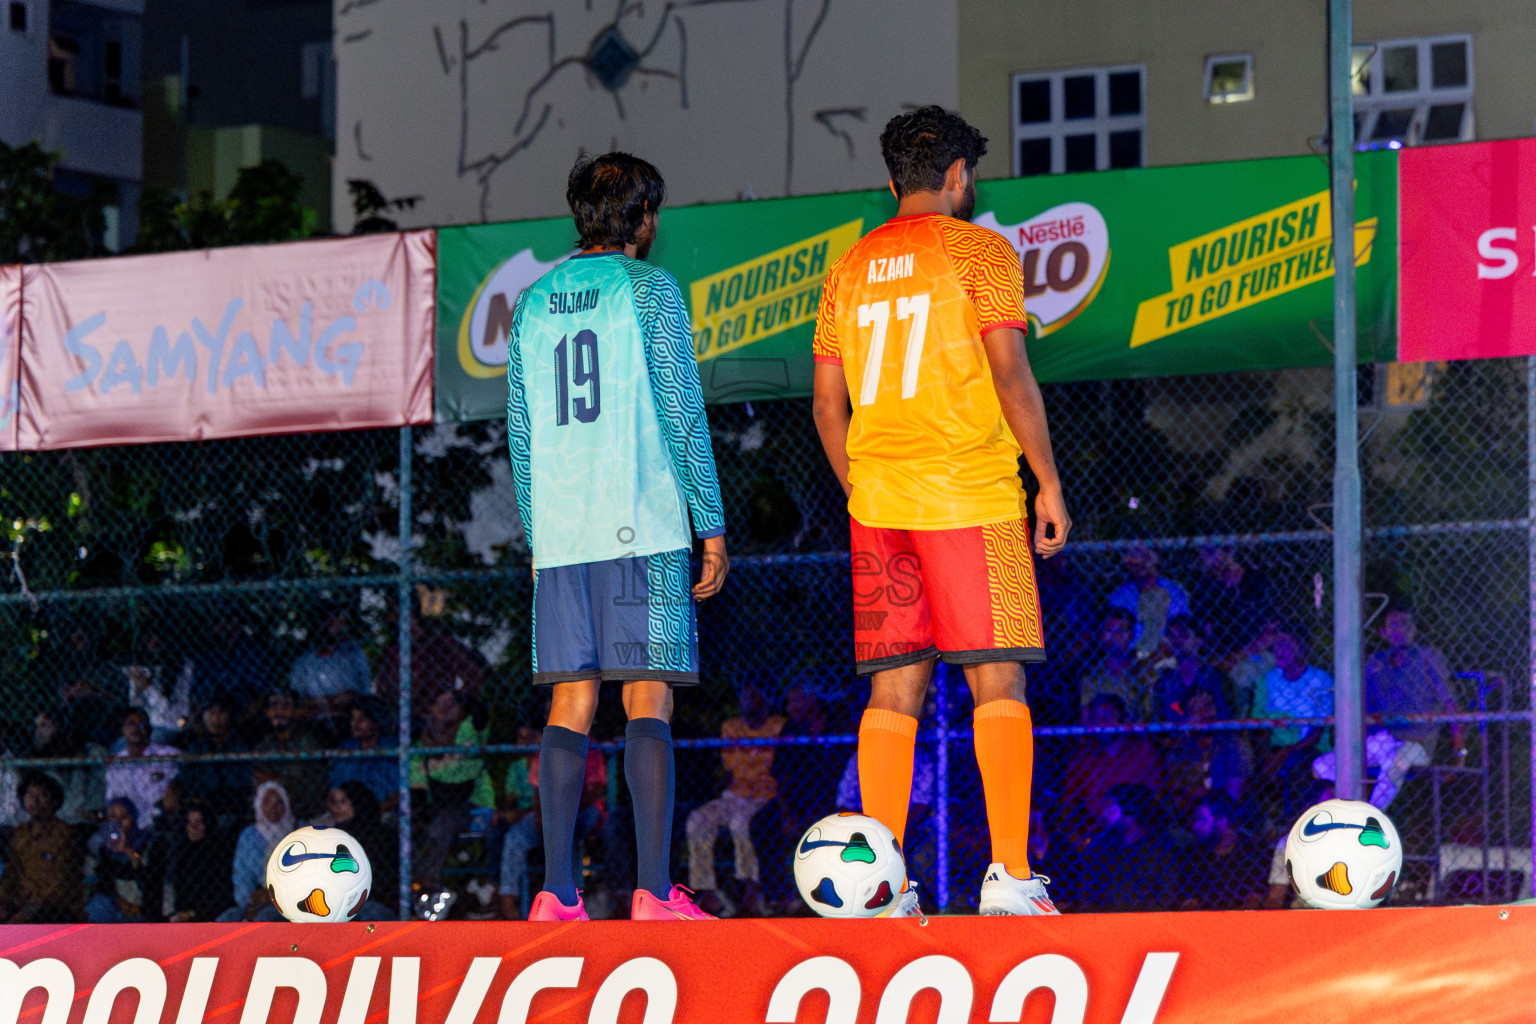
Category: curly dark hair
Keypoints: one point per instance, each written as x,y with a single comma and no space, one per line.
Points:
919,145
610,196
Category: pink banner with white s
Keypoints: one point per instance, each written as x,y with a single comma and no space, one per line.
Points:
1467,278
309,336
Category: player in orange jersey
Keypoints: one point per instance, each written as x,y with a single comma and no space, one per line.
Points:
921,326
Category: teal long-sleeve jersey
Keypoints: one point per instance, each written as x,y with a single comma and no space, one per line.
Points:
605,416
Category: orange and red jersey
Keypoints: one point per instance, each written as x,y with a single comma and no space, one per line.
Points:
904,312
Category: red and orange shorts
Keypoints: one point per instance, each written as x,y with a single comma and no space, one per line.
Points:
966,595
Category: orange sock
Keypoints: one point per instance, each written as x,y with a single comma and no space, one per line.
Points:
1005,753
887,740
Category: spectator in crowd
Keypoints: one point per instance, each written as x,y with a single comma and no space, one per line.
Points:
274,820
439,664
380,774
226,785
303,779
1129,863
234,667
520,812
42,878
1228,868
1101,762
84,787
1188,675
329,676
1253,662
156,686
1232,603
1201,764
200,860
807,776
88,694
1294,688
353,808
1117,673
143,783
447,786
749,785
1404,679
1150,597
130,880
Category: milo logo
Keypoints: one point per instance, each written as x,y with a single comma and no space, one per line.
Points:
483,331
1065,254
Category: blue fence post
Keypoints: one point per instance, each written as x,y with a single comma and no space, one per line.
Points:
405,605
941,788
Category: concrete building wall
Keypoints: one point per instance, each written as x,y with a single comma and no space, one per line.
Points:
1172,38
481,109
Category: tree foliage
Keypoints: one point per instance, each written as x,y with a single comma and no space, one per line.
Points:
38,221
262,207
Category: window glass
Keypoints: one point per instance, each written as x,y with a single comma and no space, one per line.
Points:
1448,65
1082,153
1400,68
1034,157
1035,101
1125,148
1077,96
1124,93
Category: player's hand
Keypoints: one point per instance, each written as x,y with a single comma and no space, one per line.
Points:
716,565
1051,512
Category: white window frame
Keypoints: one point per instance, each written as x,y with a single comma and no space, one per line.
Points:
1246,59
1370,104
1058,128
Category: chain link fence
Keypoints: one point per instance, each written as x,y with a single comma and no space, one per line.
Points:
183,625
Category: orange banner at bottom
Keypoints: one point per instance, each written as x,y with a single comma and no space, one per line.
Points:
1397,966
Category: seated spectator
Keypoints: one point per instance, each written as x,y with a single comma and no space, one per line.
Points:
303,779
1100,763
1247,673
1117,673
142,783
380,774
1404,679
42,878
439,664
749,785
1228,868
1232,603
807,776
1188,675
226,785
329,676
446,787
130,880
1293,689
520,812
155,685
1150,597
353,808
84,787
234,667
200,860
89,697
1197,765
1129,864
274,820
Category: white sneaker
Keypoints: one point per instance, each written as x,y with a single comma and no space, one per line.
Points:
905,903
1002,894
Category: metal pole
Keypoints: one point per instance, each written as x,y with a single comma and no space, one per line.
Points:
405,607
1530,545
1347,540
941,789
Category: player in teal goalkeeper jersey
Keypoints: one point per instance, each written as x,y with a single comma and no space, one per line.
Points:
611,458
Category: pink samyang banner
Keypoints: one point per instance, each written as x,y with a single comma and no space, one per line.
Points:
1467,249
307,336
10,343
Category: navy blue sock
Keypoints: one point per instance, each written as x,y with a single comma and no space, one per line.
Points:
562,771
649,771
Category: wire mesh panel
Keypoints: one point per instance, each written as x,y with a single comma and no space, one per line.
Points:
221,617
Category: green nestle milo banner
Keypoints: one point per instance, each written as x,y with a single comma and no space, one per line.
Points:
1200,269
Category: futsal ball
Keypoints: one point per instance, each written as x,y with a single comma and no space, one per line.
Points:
318,874
1343,855
849,865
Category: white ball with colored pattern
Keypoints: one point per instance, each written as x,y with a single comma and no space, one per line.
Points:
1343,855
849,865
318,874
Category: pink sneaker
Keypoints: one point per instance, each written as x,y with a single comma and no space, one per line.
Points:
678,907
547,907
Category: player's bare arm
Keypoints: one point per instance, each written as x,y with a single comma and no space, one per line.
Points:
829,407
1019,395
712,573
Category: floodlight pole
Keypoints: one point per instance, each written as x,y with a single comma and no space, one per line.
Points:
1347,531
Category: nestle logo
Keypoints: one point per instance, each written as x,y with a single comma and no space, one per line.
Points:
1052,231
